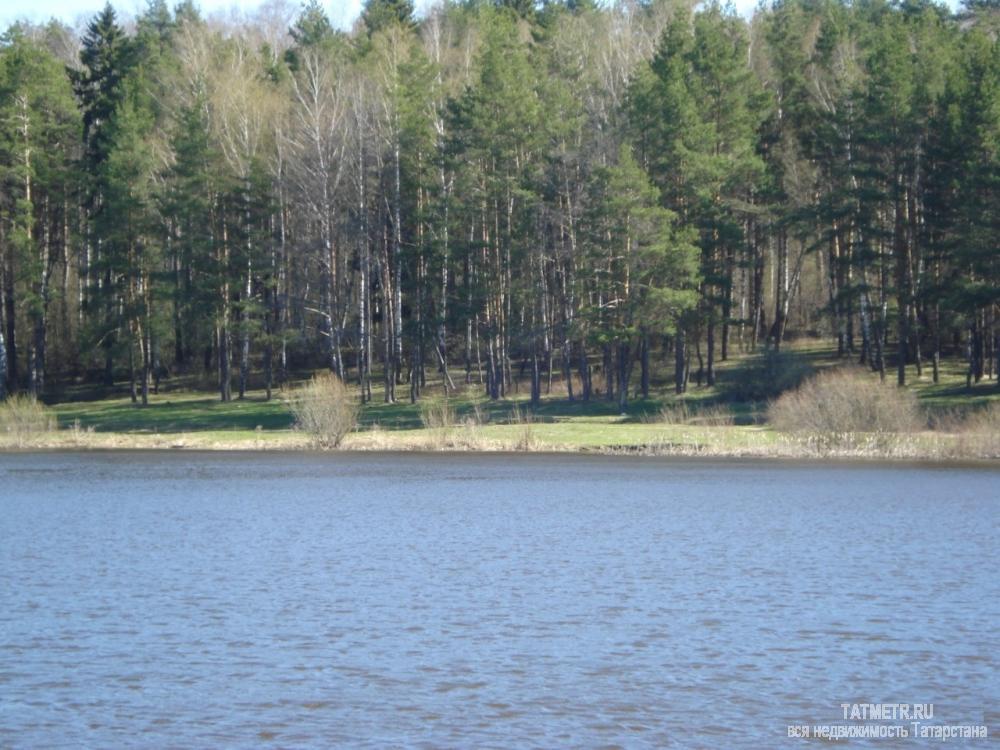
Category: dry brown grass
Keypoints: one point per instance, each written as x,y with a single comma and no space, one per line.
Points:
525,439
974,433
677,412
325,409
984,421
680,413
436,414
24,419
846,401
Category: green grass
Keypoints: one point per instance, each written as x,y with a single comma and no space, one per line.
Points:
951,392
176,412
557,422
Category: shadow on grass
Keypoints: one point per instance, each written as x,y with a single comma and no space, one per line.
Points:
201,412
187,403
166,416
406,416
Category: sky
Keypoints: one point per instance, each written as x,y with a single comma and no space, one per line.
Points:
76,12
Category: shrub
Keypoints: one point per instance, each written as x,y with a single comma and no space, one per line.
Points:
437,414
675,413
21,417
325,409
845,400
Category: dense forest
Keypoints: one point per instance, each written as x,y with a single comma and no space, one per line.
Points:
497,192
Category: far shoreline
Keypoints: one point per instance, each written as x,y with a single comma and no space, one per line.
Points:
730,444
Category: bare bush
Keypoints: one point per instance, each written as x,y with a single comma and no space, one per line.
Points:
325,409
675,413
437,414
844,401
23,417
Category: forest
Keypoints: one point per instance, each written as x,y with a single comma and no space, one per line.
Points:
497,192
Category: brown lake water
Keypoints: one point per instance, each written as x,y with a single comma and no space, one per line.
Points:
298,600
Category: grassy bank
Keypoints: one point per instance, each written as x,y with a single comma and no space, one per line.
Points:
726,420
609,437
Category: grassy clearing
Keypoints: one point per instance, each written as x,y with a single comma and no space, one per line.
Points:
705,421
569,436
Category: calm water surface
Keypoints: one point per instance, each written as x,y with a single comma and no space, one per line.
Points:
221,600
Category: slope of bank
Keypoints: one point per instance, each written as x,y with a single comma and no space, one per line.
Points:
729,419
735,441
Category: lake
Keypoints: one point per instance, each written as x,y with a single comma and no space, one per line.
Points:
400,600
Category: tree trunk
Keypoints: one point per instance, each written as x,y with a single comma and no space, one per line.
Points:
132,380
567,367
110,331
624,374
10,318
536,376
727,303
609,373
222,347
644,380
680,368
585,383
936,338
710,370
146,363
222,331
397,270
245,331
3,367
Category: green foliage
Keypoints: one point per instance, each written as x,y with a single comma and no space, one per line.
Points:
106,57
378,15
312,30
646,265
543,188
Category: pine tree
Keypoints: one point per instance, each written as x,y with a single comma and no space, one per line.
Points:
645,264
38,137
132,253
188,203
378,15
496,135
106,56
